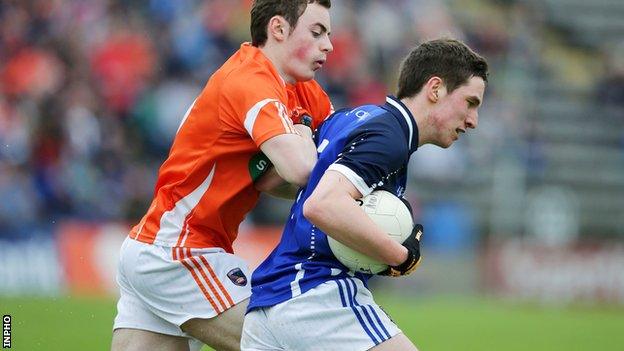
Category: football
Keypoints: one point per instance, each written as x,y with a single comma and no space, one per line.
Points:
391,215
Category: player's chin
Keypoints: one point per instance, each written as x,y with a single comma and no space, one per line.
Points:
305,76
451,141
311,74
445,144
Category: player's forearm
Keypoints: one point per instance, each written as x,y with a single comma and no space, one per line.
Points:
308,147
274,185
342,219
297,169
297,172
284,191
292,155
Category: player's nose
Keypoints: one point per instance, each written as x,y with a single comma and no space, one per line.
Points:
473,120
327,46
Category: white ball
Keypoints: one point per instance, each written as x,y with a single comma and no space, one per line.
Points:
391,215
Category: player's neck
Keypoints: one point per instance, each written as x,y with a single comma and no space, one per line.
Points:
275,56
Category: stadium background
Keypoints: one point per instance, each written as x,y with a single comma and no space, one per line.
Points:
524,218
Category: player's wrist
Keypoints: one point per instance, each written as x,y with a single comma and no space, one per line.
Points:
397,260
409,260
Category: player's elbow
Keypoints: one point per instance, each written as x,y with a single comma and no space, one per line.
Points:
311,210
316,210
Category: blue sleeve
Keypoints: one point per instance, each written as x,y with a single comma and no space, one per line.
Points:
374,151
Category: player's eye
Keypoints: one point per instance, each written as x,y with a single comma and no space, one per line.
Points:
316,34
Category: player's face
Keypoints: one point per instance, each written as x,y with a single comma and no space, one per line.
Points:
308,44
456,112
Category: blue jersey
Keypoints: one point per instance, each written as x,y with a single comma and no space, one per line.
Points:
370,145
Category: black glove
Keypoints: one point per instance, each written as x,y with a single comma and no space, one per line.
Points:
412,243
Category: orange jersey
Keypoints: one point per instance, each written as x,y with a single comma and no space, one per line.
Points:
205,187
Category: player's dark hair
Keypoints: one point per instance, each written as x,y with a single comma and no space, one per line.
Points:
263,10
451,60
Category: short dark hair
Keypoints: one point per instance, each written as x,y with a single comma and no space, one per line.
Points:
263,10
451,60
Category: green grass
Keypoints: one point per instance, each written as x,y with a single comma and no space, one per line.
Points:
433,324
60,324
478,324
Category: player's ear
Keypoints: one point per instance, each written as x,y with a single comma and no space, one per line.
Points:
433,88
278,28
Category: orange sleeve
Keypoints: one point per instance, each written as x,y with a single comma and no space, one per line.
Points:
314,99
255,101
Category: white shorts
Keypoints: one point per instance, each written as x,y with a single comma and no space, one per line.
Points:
336,315
163,287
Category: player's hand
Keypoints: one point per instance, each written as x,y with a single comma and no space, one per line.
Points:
301,116
412,243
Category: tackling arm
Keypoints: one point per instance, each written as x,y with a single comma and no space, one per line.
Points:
274,185
332,208
292,155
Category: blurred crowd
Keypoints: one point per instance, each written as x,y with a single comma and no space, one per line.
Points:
91,92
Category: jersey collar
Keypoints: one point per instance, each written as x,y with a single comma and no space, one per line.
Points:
397,108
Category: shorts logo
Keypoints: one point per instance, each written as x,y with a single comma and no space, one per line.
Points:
237,277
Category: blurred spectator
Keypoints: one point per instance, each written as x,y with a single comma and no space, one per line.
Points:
610,89
31,71
122,65
19,205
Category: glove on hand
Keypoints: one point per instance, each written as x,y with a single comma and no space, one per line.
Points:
412,243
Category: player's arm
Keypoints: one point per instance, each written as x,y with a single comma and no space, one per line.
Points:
252,101
332,208
274,185
293,154
271,182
